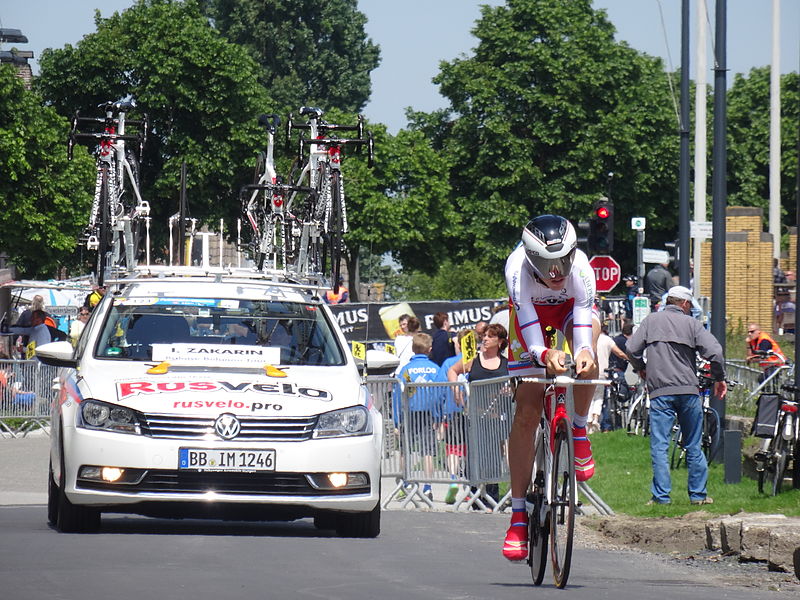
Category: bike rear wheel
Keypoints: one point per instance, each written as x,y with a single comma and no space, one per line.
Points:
104,236
335,230
677,453
779,464
796,466
562,508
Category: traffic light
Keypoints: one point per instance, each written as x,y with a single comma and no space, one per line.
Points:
601,228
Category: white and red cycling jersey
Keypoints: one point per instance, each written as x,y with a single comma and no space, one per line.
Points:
534,306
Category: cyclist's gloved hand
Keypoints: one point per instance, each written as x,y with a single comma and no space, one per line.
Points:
585,365
556,361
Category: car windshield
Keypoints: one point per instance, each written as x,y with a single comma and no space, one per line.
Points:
208,330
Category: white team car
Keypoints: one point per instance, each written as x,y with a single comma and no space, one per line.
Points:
231,397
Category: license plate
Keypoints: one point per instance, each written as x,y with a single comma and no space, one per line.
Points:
204,459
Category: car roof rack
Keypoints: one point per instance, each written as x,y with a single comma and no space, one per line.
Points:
309,284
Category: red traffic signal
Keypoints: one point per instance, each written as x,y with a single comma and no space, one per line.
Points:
602,212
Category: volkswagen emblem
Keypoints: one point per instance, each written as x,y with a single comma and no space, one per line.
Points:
227,426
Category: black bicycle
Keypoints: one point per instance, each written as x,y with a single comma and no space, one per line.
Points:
709,440
783,448
616,398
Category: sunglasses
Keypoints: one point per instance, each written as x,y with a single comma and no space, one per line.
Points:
751,331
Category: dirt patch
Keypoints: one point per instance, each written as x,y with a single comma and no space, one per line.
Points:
684,535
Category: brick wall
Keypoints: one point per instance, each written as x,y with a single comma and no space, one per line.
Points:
748,280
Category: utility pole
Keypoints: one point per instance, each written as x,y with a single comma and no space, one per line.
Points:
683,177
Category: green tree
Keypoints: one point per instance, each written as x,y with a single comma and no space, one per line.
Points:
311,53
44,199
200,91
748,141
402,206
545,108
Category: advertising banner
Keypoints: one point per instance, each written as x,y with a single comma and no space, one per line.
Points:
378,321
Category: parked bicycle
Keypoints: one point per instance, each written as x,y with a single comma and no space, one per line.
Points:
639,411
325,223
616,399
552,500
709,439
782,448
119,223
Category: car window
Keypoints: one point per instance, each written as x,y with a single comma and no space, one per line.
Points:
298,332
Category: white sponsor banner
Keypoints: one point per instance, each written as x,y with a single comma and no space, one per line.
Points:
216,354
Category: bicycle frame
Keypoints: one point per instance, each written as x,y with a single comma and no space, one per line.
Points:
552,501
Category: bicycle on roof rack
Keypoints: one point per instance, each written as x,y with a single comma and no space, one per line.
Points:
276,230
119,222
324,220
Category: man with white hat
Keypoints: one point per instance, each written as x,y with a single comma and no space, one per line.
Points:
672,339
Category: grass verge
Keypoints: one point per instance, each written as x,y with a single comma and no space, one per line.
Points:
623,475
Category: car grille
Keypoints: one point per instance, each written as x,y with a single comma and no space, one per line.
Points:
255,429
163,481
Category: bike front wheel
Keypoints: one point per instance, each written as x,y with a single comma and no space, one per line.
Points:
710,440
677,452
336,229
104,237
562,507
537,537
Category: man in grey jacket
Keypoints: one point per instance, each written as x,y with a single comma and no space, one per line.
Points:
672,340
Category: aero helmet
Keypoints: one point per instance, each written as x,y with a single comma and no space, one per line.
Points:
550,242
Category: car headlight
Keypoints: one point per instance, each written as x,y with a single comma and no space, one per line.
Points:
109,417
346,421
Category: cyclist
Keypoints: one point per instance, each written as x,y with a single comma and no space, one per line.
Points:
550,284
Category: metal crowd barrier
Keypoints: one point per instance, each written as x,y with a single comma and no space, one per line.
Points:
26,389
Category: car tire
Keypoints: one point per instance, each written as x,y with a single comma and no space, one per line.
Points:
52,498
325,521
360,525
72,518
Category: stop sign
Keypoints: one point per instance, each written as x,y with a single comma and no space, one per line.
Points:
607,272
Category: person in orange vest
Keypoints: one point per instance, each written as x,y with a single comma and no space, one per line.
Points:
759,342
340,298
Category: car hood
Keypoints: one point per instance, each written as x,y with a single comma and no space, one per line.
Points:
304,391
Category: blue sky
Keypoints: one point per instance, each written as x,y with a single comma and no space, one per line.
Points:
415,35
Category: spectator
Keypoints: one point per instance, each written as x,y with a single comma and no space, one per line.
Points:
402,343
454,421
672,340
442,343
480,329
657,281
340,298
76,327
778,276
630,293
784,313
424,405
605,347
758,343
94,297
24,319
488,364
38,333
500,315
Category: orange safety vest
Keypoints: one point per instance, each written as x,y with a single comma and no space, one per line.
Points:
767,361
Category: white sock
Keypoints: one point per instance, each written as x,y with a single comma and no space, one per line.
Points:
518,504
579,421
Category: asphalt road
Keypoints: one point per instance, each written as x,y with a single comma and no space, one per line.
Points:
418,555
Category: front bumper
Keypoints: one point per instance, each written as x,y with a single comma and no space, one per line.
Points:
158,480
